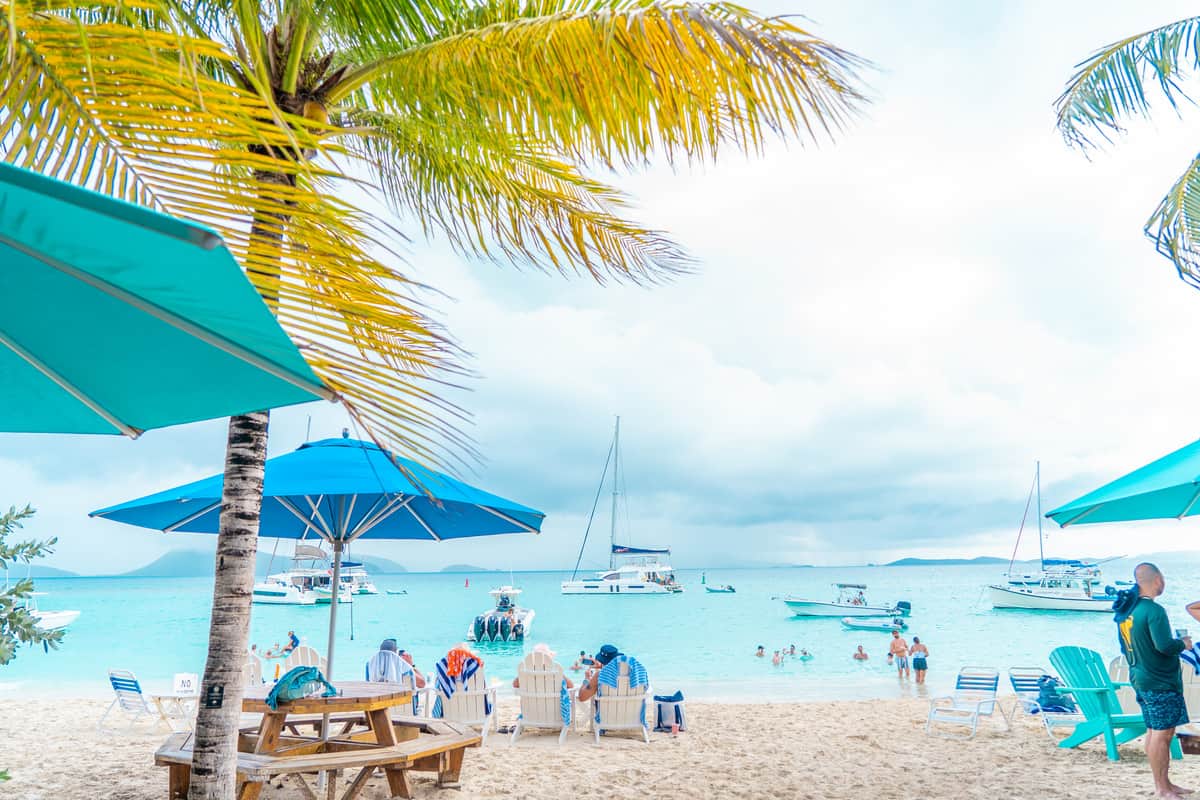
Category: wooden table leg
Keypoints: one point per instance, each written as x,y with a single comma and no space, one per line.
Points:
179,777
249,790
268,732
358,783
451,769
385,736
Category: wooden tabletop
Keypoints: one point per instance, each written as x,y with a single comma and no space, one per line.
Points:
352,696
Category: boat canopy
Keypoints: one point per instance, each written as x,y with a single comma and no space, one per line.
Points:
1068,562
351,564
850,585
304,552
625,550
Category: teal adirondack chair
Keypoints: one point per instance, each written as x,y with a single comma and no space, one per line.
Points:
1087,681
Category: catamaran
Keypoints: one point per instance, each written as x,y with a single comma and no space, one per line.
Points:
851,601
1060,585
301,586
631,570
354,574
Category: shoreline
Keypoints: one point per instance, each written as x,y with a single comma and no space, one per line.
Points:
858,749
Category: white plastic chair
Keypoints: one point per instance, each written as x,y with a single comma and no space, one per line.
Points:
539,689
623,708
1118,670
974,696
253,671
1025,686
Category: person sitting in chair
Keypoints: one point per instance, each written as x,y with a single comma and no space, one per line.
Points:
587,690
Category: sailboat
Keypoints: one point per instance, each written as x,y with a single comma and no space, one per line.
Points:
1061,584
631,570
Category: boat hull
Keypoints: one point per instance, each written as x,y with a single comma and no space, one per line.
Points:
614,588
50,621
1006,597
853,624
814,608
276,595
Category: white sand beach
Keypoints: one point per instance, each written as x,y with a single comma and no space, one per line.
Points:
866,749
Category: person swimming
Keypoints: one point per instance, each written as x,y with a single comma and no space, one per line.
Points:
805,655
761,652
777,659
860,654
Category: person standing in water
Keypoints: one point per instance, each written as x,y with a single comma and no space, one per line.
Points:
898,649
920,658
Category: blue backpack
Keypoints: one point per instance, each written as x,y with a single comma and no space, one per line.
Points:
297,683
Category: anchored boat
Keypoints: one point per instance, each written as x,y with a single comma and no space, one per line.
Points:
631,570
1061,585
887,626
724,588
851,601
507,622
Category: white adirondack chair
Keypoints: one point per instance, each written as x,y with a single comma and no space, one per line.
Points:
1118,670
304,656
623,708
540,682
473,704
253,671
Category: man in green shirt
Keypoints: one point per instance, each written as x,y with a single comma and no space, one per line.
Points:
1153,653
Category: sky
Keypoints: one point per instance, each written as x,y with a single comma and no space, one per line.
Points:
884,335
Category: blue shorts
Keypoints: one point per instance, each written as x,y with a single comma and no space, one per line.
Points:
1162,710
901,662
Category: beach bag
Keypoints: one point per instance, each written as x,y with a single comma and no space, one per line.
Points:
298,683
1049,698
668,711
1123,607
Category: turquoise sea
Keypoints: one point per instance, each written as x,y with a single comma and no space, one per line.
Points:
698,642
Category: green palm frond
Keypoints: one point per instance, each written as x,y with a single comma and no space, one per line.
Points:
1112,82
1175,224
490,195
621,79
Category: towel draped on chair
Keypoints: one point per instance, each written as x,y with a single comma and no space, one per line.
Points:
448,682
612,672
1192,657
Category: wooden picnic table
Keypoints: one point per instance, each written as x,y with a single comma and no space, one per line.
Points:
368,738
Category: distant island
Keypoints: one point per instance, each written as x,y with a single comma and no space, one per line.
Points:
38,571
199,564
945,562
466,568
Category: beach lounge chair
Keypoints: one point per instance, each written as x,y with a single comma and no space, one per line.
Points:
974,696
545,701
388,667
621,698
134,703
1088,682
1026,686
464,698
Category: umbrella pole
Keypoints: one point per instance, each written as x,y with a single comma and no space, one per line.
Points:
335,590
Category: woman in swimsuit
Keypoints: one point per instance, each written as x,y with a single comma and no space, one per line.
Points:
919,653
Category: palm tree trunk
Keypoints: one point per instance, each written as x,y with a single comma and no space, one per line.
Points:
214,757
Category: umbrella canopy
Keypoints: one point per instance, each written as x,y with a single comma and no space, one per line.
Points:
1168,488
117,319
340,490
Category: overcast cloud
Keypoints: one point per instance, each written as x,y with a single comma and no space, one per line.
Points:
885,334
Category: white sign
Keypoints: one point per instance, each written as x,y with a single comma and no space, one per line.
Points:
187,683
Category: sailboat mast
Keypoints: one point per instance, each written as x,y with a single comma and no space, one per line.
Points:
1041,551
612,535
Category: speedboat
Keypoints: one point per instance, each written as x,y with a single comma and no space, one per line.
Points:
631,570
851,601
886,626
723,588
507,622
48,621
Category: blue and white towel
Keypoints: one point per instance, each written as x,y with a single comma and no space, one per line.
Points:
564,703
612,672
386,667
447,685
1192,657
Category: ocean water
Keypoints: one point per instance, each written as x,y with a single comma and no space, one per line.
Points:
697,642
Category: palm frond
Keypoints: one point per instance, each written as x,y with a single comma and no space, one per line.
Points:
490,195
616,80
1112,83
1174,227
132,112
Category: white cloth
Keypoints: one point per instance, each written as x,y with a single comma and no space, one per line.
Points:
388,667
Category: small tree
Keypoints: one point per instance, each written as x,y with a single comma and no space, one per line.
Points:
17,624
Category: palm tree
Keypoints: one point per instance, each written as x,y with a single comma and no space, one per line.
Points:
482,121
1112,85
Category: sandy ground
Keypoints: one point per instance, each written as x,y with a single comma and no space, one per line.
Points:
869,749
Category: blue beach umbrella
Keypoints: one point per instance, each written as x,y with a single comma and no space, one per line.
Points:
1168,488
115,319
341,490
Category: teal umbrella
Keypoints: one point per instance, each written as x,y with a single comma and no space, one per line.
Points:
117,319
1168,488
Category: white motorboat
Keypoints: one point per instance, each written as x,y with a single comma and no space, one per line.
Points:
1060,585
506,622
48,621
631,570
885,625
851,601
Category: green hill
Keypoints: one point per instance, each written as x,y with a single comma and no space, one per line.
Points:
466,568
199,564
946,562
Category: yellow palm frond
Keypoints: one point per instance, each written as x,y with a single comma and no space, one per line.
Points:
490,194
617,80
134,113
1175,224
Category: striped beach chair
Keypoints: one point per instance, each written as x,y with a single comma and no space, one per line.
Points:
465,698
133,702
1027,687
974,696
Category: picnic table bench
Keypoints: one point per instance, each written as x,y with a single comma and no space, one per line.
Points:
422,746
